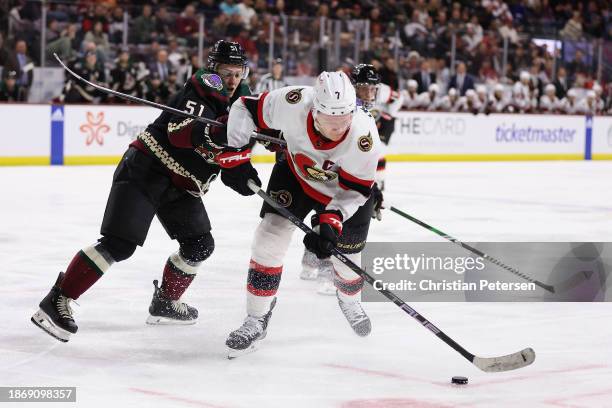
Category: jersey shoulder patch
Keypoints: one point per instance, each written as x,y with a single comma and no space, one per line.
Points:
209,82
294,96
365,142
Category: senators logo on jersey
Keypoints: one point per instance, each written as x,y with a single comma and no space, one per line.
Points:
308,168
365,143
294,96
283,197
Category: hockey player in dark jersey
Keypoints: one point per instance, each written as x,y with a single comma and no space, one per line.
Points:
164,173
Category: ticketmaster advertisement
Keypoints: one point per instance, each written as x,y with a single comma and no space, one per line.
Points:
494,272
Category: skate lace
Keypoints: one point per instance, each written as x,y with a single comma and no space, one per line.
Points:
250,328
63,307
180,307
353,312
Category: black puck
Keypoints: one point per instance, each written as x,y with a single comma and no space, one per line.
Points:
459,380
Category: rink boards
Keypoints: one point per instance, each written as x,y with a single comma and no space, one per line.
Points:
98,134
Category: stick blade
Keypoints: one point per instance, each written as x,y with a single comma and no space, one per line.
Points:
512,361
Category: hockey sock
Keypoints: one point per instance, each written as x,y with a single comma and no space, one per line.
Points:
87,266
348,283
380,172
178,275
262,285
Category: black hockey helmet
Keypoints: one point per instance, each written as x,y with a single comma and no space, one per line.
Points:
226,52
363,74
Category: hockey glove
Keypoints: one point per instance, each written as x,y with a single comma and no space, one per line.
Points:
378,202
271,146
327,228
237,178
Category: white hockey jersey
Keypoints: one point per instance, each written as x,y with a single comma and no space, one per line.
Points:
548,104
337,174
387,101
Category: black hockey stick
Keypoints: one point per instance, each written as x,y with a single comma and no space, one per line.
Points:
165,108
513,361
489,258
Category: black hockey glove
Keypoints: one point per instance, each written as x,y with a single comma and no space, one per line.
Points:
237,177
327,228
271,146
378,202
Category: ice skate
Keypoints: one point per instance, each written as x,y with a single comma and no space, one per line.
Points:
325,280
55,314
165,311
245,339
356,316
310,266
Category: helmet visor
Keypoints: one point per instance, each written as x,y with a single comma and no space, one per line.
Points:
333,126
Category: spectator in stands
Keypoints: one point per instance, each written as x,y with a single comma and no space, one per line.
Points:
161,66
100,38
20,62
561,83
154,89
210,9
143,26
164,24
187,26
191,68
4,54
9,90
388,73
229,7
124,77
424,77
573,28
66,45
115,27
462,81
77,92
171,84
246,12
577,65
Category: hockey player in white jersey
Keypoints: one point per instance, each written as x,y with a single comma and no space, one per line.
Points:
549,103
383,103
482,98
469,103
410,96
523,98
570,104
499,101
332,151
450,102
589,105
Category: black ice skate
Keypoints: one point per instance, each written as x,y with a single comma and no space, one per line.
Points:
244,340
55,314
168,311
356,316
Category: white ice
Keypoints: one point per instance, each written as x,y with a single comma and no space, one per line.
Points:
310,357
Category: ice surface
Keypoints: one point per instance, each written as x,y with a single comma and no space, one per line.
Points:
310,357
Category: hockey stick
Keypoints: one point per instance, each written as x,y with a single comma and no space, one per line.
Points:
489,258
169,109
513,361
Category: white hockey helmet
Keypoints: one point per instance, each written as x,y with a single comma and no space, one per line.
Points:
470,94
481,89
498,88
525,76
452,92
550,88
597,88
412,84
434,88
572,93
591,95
334,94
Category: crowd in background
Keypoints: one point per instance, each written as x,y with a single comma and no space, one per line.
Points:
161,51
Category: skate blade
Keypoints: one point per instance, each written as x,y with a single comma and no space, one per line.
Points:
326,290
308,275
233,353
166,321
42,320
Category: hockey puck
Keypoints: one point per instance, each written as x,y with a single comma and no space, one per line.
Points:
459,380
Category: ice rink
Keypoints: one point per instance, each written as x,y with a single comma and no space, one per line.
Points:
311,358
